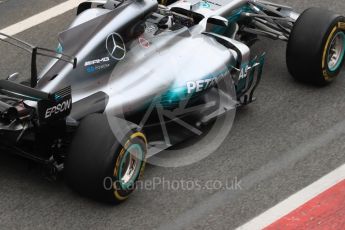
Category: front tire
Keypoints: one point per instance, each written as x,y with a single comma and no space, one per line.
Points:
99,166
316,47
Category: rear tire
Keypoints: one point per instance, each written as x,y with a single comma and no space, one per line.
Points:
315,36
99,167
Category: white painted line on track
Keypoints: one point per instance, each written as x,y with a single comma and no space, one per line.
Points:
296,200
285,161
41,17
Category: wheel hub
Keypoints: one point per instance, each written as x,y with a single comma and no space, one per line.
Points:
336,51
130,165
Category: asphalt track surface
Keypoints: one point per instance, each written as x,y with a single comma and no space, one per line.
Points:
291,136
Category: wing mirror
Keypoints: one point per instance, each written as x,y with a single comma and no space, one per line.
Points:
218,21
12,77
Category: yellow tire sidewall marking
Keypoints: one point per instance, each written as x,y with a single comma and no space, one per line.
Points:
117,164
341,25
325,51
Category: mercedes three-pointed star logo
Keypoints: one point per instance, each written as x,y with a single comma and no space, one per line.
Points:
116,46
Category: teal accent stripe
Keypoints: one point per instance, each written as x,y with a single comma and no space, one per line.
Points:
130,183
234,17
335,68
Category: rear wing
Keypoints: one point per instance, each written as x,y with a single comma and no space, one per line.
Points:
50,106
20,91
37,51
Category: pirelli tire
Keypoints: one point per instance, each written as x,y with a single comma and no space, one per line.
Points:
316,47
99,166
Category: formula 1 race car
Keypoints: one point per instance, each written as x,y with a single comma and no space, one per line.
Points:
94,111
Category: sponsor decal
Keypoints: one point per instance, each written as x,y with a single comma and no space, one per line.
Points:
205,5
325,74
208,4
59,108
97,64
143,42
97,61
200,85
91,69
115,46
214,3
244,72
341,25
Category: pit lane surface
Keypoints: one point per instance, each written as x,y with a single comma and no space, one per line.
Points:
291,136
